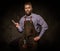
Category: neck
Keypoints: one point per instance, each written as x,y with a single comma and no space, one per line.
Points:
28,14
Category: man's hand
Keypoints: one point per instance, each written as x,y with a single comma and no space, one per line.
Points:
16,24
36,38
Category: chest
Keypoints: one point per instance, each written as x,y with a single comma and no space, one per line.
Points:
33,19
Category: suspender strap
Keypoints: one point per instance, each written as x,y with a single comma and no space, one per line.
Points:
30,18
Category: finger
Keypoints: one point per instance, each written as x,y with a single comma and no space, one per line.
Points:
35,39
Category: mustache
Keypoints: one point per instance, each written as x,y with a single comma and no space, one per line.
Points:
28,14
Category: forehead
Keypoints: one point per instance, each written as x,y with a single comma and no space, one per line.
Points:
28,5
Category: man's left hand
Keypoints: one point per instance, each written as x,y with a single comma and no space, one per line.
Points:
36,38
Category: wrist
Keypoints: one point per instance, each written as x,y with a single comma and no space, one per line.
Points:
18,27
39,36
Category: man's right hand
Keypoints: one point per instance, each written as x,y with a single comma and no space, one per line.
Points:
16,24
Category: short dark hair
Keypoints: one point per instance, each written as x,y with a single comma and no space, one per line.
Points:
27,3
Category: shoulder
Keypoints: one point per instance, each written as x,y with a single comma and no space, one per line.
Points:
22,18
36,15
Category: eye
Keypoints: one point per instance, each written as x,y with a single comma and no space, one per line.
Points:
28,7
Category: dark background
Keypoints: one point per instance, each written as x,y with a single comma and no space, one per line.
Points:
9,35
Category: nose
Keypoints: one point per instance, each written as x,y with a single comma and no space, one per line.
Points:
27,10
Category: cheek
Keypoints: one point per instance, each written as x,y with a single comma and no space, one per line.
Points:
29,9
25,9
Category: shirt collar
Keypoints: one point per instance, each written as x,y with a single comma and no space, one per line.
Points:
29,15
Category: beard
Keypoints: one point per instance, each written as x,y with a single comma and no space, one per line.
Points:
28,14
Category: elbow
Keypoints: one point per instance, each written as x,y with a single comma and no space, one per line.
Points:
20,31
46,27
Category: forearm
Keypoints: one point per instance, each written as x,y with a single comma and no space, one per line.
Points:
20,29
43,31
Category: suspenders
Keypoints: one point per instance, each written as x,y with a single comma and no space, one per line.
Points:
30,18
25,22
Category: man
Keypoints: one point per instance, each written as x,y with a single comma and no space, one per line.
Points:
28,24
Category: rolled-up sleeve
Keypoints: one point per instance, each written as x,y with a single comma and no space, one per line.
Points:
43,24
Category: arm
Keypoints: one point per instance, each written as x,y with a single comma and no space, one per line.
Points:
20,28
19,25
43,24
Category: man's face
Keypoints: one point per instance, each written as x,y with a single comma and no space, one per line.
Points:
28,9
